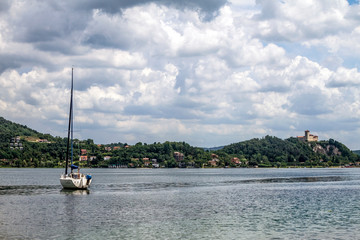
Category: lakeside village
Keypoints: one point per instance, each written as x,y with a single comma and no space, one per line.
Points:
179,157
266,152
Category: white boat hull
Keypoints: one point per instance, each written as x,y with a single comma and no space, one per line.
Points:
75,181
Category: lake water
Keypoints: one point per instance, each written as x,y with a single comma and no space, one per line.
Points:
182,204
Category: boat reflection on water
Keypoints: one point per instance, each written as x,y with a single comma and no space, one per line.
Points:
74,191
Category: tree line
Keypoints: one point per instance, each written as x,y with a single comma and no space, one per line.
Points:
268,151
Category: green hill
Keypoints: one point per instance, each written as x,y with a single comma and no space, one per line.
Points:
21,146
272,151
9,130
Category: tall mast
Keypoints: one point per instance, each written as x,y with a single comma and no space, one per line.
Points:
70,124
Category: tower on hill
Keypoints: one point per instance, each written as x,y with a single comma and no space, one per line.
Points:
308,137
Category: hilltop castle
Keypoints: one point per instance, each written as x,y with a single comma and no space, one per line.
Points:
308,137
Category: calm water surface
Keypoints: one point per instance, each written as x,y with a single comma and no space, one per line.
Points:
182,204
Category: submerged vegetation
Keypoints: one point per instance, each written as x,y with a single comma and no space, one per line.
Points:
21,146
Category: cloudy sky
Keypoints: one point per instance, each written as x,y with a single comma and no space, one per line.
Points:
207,72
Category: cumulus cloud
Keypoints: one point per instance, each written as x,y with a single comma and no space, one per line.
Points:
206,72
344,78
301,20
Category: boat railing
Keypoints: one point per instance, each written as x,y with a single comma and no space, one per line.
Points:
74,175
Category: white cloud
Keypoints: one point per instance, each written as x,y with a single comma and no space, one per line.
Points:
344,78
300,20
156,70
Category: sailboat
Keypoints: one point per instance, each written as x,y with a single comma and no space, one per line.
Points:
74,179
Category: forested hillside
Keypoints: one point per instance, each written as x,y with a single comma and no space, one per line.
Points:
272,151
9,129
24,147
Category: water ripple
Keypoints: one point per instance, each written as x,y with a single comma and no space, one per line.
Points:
292,179
27,189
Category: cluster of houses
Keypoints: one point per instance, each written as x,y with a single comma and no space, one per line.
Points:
214,162
84,156
109,149
84,153
15,143
147,162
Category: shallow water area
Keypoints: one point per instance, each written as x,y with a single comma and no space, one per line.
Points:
182,204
